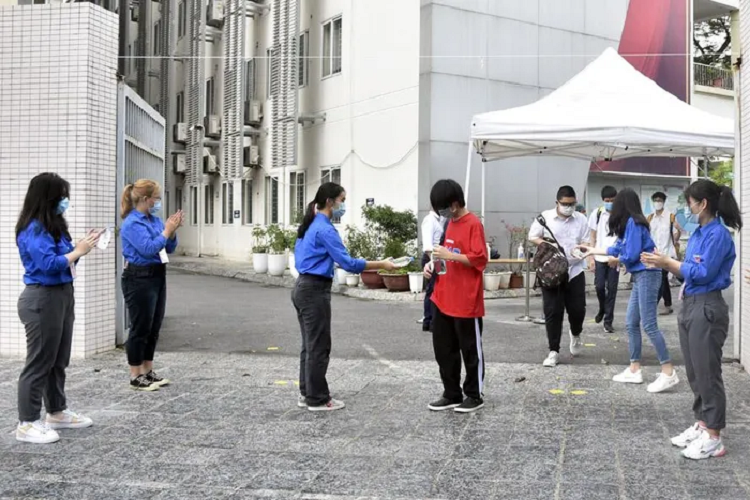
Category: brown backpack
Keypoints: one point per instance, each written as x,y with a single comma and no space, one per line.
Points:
550,261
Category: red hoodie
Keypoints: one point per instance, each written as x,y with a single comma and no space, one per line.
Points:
460,291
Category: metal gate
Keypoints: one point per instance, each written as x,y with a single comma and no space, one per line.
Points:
140,155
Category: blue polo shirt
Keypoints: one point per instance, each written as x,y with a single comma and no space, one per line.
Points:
635,241
320,248
709,258
142,239
44,261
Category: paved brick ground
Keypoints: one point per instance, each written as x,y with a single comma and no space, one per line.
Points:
229,428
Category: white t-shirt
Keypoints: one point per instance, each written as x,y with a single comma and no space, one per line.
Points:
569,232
660,233
432,231
603,240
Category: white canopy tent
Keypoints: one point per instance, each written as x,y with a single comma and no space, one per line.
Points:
609,111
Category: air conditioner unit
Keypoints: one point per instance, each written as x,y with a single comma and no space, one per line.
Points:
253,115
251,156
212,126
215,13
134,10
210,165
178,164
180,133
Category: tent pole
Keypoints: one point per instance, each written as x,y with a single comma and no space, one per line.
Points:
484,188
468,172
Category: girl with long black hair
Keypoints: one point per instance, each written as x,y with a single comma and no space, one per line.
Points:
627,222
46,308
318,246
703,319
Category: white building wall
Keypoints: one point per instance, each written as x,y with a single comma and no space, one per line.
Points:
742,320
58,96
718,102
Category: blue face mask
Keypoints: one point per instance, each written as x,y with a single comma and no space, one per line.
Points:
340,210
155,209
62,206
690,217
608,206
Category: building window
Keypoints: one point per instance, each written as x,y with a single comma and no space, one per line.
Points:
272,200
181,19
247,201
332,47
250,90
157,38
304,59
177,199
296,197
227,203
210,96
180,111
194,205
270,54
331,174
209,204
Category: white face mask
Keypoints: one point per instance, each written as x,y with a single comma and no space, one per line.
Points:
566,211
658,205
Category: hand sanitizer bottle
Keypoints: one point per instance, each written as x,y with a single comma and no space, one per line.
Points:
520,252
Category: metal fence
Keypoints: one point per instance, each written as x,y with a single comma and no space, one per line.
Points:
140,155
712,76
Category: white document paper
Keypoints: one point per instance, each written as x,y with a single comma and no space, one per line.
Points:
163,256
104,239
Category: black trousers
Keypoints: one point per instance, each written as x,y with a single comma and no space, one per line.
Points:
311,298
665,291
428,289
606,281
570,297
47,314
145,291
703,323
453,338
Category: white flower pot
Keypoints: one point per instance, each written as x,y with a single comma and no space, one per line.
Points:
504,280
416,281
292,266
352,280
260,263
341,276
492,282
277,264
532,279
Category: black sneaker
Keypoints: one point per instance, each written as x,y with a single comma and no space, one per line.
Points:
599,317
609,329
443,404
469,405
426,327
141,383
156,380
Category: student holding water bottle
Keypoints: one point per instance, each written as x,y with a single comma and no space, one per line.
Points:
458,300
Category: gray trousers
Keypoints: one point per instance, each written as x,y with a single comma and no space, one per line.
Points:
703,322
311,298
47,313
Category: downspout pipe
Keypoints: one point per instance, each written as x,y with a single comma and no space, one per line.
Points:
122,50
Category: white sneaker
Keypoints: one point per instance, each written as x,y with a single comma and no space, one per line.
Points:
36,433
629,377
333,404
663,382
68,420
301,401
420,320
551,360
704,447
576,344
688,436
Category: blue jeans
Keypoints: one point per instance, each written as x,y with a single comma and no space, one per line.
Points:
642,312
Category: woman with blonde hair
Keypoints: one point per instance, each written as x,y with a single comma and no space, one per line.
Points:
146,241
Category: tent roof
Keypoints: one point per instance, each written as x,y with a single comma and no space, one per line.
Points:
608,111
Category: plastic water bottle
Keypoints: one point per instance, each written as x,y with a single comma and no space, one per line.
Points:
438,266
520,252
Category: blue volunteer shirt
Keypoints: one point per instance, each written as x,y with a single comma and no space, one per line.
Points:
709,258
629,248
44,261
321,247
142,239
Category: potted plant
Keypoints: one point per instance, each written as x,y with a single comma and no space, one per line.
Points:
396,280
391,233
291,242
362,245
416,275
260,249
277,245
492,280
352,280
517,236
505,279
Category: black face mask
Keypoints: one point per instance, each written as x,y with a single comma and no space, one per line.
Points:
445,213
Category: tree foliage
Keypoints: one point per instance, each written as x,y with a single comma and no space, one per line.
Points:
722,173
